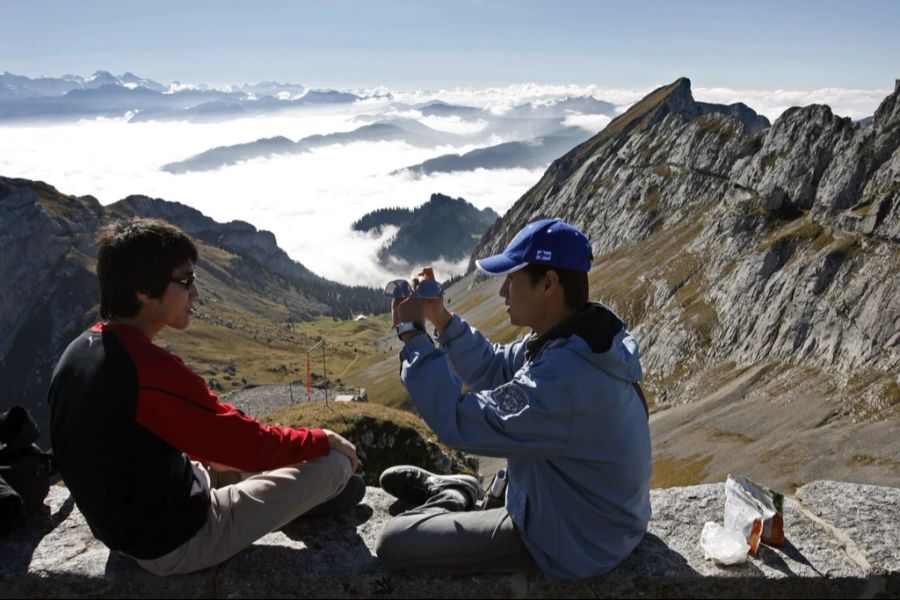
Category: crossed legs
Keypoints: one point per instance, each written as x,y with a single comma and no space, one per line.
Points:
254,505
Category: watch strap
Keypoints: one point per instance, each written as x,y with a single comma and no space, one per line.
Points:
408,326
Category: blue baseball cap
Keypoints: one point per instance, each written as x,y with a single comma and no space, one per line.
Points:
550,242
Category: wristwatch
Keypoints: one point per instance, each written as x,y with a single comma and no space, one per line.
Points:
408,326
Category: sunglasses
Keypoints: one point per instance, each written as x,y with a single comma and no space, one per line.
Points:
187,281
401,288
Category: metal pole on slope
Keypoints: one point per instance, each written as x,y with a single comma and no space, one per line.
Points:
324,366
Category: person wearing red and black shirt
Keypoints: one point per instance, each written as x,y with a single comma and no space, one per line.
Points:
140,437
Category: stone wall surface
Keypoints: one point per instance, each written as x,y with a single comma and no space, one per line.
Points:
842,541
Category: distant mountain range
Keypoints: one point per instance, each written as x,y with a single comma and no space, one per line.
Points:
405,130
442,228
551,109
24,99
539,130
527,136
107,95
529,154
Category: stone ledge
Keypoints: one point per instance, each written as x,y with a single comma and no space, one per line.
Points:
842,541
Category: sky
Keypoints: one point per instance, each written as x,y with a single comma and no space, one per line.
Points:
797,45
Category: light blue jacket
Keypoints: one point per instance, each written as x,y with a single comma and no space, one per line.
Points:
568,420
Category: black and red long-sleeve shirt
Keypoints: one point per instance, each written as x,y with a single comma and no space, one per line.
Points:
125,415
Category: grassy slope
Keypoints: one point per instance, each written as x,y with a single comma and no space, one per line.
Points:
241,336
782,424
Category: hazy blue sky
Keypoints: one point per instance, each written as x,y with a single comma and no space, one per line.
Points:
343,43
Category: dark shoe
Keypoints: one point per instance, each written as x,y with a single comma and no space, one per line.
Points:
346,499
415,486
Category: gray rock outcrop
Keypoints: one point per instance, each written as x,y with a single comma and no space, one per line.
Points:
841,542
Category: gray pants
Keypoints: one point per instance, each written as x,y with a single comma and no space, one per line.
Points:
244,507
441,535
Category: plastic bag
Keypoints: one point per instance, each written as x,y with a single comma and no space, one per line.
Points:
723,545
753,510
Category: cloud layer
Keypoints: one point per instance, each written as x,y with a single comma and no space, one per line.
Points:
854,103
309,200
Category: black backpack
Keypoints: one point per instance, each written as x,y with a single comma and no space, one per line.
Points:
25,469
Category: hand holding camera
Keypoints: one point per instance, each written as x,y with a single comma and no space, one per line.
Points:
416,301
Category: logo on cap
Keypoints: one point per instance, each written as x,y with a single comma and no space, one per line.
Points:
550,242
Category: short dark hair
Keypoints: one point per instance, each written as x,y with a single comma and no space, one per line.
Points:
138,255
574,283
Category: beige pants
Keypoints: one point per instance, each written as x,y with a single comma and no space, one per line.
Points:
250,507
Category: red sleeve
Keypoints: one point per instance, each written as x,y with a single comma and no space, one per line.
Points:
176,405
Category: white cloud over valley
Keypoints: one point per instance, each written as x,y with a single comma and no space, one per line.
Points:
308,200
592,123
854,103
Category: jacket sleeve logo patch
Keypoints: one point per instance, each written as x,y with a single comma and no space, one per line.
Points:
510,399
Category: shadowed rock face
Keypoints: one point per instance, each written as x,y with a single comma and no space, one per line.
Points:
840,542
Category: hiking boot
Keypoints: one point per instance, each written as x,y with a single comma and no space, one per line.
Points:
346,499
415,486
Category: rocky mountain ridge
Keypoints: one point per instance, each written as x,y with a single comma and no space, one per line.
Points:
772,243
48,292
757,268
527,154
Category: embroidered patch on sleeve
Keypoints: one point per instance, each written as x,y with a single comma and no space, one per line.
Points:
510,399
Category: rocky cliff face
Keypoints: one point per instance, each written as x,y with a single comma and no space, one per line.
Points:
47,287
734,241
235,236
757,266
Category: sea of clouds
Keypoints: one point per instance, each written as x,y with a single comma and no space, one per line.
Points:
309,200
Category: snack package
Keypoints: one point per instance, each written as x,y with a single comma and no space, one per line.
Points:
755,511
773,530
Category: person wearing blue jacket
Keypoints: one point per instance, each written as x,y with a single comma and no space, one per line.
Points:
562,405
